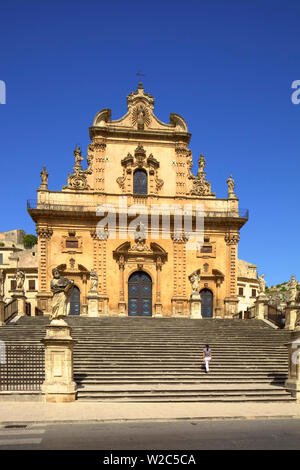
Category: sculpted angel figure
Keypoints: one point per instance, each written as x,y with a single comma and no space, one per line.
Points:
194,279
62,289
262,284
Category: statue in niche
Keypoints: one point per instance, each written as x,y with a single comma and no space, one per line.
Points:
140,116
62,289
20,278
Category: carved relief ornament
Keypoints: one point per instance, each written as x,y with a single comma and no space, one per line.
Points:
232,238
139,161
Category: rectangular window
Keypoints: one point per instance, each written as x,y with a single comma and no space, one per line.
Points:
253,292
241,291
13,284
206,249
72,244
31,284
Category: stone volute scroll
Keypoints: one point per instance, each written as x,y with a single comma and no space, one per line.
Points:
201,187
78,180
61,287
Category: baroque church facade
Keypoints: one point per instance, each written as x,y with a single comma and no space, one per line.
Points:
120,221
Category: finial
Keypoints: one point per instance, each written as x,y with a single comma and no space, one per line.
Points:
140,85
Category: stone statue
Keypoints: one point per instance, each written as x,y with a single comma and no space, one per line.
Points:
231,184
44,178
78,156
62,289
94,281
20,278
140,117
262,284
201,164
292,289
194,279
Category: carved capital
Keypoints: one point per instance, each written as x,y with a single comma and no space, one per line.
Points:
232,238
44,232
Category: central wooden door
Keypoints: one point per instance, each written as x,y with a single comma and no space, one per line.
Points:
75,301
140,294
206,303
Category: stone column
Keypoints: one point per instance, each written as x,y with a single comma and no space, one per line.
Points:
231,300
44,296
218,309
122,303
59,385
158,305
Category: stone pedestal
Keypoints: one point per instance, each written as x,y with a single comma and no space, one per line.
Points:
196,306
59,385
260,306
158,310
230,306
21,298
292,383
122,309
93,304
291,315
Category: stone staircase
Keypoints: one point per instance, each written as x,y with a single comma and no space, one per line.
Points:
160,359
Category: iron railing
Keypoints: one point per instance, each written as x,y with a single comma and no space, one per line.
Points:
276,316
22,368
34,204
10,310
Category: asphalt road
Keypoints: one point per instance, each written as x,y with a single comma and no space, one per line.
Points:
187,435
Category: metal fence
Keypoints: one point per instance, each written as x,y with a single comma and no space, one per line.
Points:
22,368
276,316
10,309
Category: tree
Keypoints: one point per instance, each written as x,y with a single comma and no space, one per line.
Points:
29,241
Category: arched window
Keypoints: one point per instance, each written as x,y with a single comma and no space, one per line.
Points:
140,185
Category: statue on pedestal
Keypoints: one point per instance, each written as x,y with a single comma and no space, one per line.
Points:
94,281
44,178
194,279
20,278
262,284
62,289
292,289
231,184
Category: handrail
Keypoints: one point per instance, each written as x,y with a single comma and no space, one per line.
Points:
34,204
10,310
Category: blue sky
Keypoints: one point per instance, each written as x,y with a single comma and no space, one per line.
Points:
226,66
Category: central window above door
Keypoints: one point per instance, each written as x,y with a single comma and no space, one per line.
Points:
140,182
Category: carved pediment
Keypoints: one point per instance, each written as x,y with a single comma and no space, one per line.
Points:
139,117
